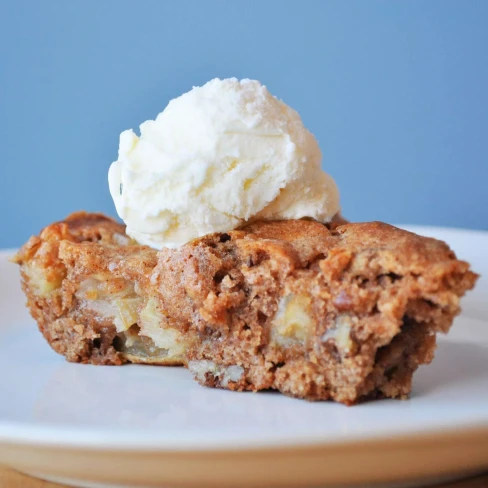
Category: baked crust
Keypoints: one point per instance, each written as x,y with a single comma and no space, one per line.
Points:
345,312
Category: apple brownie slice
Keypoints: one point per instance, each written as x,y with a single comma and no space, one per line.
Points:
345,312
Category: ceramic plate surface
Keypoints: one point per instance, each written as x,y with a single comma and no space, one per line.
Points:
153,426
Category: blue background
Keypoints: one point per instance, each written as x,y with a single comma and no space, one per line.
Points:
395,92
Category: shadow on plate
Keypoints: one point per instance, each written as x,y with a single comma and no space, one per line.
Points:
454,365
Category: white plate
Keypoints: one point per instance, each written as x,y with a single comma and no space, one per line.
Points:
153,426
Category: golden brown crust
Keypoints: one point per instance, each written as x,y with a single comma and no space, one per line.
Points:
43,273
343,312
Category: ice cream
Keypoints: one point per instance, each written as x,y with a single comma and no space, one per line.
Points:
217,157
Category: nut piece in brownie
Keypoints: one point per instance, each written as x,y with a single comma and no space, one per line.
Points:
344,313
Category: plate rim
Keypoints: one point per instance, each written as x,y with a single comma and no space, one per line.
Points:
15,433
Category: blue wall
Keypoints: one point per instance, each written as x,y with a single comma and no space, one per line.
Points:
396,93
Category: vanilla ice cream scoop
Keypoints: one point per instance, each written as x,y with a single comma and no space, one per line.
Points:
217,157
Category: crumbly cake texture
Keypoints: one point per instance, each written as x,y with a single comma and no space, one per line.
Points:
345,312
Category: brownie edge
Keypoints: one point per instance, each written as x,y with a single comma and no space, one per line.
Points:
346,312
